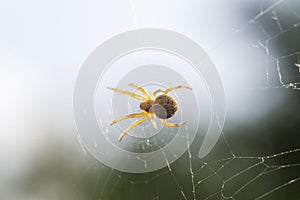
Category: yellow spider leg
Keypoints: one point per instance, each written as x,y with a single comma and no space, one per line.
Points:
167,124
156,91
169,90
138,122
128,93
176,87
153,121
141,89
135,115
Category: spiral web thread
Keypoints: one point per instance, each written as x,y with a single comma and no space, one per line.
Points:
230,175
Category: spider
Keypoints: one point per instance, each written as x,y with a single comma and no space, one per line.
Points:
163,107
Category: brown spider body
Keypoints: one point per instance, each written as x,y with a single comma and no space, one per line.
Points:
163,107
147,106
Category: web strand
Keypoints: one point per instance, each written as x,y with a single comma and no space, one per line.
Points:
233,176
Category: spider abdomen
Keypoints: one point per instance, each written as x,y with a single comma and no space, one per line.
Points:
164,107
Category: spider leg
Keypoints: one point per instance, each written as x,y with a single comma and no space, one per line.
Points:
135,115
169,90
156,91
142,90
153,121
174,88
138,122
128,93
168,124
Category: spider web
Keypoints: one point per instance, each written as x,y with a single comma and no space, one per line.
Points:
264,165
